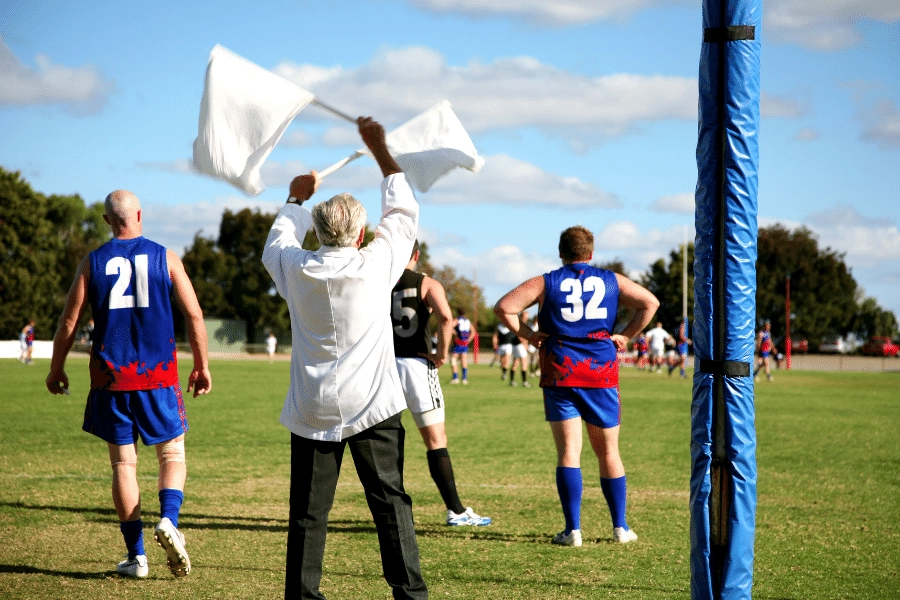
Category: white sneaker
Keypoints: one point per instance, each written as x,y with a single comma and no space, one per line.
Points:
454,382
467,517
512,383
573,539
526,384
623,536
172,541
465,382
133,567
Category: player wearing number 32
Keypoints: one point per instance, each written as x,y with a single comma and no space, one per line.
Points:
579,370
134,374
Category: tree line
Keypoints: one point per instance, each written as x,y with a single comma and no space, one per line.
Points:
44,238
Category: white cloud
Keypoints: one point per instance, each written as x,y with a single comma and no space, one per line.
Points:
549,14
502,265
807,134
296,138
342,137
824,25
505,266
867,241
678,204
507,180
507,93
82,90
774,106
175,226
883,125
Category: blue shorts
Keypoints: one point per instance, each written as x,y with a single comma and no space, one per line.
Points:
682,349
764,354
459,349
598,406
119,417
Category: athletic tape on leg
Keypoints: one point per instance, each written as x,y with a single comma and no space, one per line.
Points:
171,451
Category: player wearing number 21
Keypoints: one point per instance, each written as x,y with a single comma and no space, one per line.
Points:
128,282
579,368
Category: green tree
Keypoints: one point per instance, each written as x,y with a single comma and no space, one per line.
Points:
664,280
229,276
463,295
871,319
42,241
30,285
823,290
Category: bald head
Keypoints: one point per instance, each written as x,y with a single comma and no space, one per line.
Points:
123,213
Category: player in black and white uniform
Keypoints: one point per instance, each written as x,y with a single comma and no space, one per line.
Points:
503,338
413,300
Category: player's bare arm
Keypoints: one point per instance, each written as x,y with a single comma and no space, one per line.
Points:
200,379
373,135
514,302
76,301
643,302
436,298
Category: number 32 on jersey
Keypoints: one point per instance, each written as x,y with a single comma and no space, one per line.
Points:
576,291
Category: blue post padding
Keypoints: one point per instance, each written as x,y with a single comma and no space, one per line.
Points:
741,157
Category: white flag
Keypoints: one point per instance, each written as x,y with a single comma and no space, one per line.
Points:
426,147
432,144
244,112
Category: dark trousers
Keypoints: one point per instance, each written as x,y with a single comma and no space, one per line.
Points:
378,455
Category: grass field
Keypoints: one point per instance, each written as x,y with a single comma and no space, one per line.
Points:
827,521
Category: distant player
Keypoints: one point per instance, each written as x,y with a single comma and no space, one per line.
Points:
271,346
502,342
642,348
26,342
657,338
519,356
682,341
130,282
534,357
413,300
579,369
764,347
462,336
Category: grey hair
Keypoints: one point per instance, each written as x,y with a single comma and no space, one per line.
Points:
337,221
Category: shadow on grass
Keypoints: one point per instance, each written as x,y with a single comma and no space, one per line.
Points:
111,512
26,570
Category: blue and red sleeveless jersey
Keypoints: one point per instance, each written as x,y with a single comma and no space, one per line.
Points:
765,344
462,331
578,314
134,338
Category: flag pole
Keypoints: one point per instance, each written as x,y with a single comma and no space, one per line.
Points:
333,110
328,171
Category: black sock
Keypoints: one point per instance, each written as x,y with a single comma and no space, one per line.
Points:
442,472
524,375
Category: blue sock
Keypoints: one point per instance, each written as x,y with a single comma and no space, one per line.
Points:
682,371
568,485
133,532
465,373
614,490
455,376
170,501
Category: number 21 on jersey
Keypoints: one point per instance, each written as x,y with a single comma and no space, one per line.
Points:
576,291
122,266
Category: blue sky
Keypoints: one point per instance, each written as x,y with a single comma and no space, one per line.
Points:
584,110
